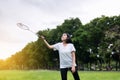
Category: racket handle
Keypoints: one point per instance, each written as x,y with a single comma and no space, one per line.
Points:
42,37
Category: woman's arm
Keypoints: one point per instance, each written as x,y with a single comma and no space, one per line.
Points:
73,61
48,45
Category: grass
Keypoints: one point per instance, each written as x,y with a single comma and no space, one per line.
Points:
55,75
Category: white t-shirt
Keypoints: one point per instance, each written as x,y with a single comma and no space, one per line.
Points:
65,54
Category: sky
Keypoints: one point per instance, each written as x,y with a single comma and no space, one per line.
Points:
43,14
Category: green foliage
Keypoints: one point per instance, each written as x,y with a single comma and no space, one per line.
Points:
96,35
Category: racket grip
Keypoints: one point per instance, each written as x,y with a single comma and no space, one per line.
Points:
42,37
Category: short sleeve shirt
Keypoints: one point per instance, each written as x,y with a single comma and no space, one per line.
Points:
65,54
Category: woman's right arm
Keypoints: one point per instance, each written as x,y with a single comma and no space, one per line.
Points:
48,45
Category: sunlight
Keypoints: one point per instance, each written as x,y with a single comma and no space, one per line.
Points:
8,49
5,53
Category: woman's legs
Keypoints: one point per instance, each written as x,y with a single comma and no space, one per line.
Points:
64,73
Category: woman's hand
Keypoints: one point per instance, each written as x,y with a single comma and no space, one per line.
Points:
73,69
42,37
48,45
73,62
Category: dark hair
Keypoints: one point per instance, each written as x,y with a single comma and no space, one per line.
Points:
68,40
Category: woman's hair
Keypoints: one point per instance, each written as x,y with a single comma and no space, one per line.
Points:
68,40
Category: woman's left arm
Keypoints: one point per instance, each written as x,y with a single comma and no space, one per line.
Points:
73,61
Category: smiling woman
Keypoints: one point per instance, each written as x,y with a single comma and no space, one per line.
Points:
40,14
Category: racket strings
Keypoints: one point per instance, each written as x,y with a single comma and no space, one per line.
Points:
22,26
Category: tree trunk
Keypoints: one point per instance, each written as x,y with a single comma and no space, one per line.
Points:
116,66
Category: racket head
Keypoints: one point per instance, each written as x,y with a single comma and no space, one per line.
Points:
23,26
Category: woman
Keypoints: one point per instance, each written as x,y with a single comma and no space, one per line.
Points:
67,56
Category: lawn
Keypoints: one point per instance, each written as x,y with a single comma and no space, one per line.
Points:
55,75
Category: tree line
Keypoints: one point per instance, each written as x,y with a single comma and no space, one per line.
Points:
97,44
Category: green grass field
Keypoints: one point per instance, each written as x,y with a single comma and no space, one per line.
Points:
55,75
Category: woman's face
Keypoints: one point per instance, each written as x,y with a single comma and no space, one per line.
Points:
64,37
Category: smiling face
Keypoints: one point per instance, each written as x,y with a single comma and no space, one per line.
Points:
64,37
